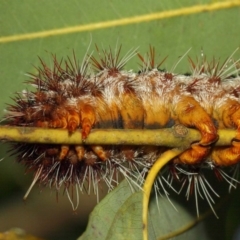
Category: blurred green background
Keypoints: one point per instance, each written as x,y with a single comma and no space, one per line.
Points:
215,32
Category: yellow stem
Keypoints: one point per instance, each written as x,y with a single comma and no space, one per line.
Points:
161,161
169,137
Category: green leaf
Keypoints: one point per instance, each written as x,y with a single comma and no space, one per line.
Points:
119,216
81,22
172,35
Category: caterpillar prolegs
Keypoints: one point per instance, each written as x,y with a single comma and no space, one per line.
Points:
99,93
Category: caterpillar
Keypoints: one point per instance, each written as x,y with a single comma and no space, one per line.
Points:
99,93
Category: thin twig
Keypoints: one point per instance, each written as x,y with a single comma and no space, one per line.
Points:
169,137
153,172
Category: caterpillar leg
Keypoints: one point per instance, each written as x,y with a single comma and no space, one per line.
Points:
73,120
226,156
69,118
58,119
66,119
191,114
80,150
88,119
223,156
63,152
100,152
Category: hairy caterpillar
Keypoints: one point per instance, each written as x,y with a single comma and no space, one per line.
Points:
72,96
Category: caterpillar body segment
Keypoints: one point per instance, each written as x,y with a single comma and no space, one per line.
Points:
114,98
73,97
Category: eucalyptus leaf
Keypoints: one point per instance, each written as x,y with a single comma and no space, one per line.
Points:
211,32
119,216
